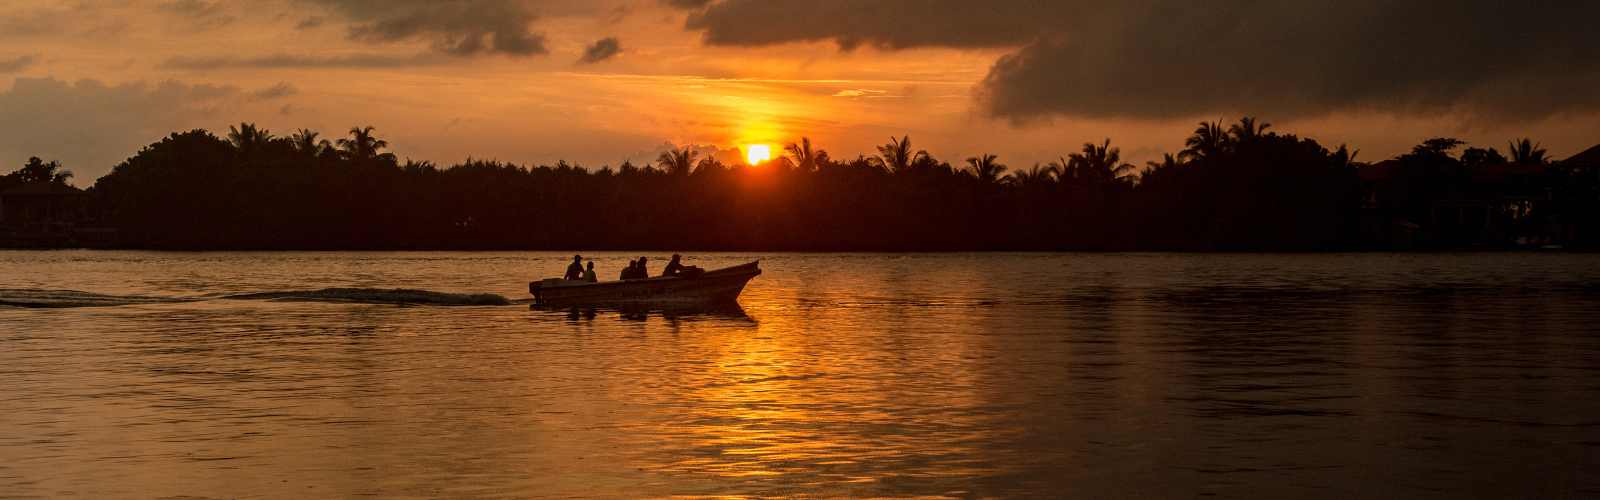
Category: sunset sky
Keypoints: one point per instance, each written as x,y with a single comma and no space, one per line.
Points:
600,81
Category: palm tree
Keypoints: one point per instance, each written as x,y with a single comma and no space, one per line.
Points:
1033,178
247,138
677,161
709,165
1209,140
986,167
363,146
1527,152
1166,166
1345,157
1097,164
1248,129
897,157
803,156
305,141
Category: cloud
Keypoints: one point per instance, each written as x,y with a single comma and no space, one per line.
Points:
1162,59
189,7
686,4
280,90
16,64
861,93
208,14
90,126
887,24
461,28
603,49
312,22
300,61
82,18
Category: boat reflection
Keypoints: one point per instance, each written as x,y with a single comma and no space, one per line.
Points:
723,311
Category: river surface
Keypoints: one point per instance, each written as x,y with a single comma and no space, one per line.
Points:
237,375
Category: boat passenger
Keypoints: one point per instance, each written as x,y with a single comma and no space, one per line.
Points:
676,268
575,269
627,272
589,275
644,268
673,266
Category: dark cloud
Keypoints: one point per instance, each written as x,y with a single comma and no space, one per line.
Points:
89,125
45,20
456,27
301,61
1177,58
278,91
603,49
207,14
16,64
889,24
686,4
310,23
189,7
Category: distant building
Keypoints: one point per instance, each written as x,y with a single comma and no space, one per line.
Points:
1493,205
41,213
1588,159
1580,198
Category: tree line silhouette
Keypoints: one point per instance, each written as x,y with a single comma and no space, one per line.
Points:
1240,186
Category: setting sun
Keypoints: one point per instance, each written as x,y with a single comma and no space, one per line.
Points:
757,153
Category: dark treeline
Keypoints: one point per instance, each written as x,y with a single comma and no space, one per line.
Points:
1237,186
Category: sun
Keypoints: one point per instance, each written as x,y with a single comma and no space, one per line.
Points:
757,153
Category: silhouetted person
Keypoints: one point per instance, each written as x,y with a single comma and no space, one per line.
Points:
589,275
627,272
676,268
644,268
575,269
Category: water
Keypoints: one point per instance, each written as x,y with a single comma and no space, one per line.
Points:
1090,375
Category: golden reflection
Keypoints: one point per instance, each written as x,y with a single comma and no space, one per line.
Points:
779,404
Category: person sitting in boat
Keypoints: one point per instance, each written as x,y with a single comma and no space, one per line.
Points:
676,268
627,272
589,275
575,269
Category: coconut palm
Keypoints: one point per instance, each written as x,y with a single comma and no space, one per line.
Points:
897,157
1248,129
1038,177
709,165
677,161
1345,157
1097,164
1526,151
1168,163
363,146
804,158
305,142
986,168
247,138
1209,140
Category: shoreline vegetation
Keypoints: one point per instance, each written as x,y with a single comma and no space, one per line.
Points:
1235,187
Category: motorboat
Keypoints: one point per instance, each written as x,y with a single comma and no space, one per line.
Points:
714,287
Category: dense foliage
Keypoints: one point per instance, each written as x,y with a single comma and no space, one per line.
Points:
1236,187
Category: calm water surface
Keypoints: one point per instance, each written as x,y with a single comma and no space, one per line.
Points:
1090,375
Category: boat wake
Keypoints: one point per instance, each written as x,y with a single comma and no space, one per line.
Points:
40,298
34,298
380,296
